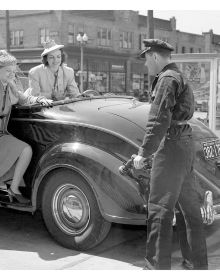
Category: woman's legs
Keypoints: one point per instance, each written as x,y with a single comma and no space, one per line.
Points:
20,168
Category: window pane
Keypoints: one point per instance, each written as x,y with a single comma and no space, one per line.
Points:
21,39
104,33
121,40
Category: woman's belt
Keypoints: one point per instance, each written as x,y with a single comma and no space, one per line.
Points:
174,122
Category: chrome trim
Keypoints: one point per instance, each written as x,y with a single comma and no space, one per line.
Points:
210,212
71,209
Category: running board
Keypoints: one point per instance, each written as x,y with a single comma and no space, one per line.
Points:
28,208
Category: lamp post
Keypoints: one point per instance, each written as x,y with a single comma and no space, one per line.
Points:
82,39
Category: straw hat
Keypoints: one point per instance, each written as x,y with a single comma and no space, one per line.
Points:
7,59
50,46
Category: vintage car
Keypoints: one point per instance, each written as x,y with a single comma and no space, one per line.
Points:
78,177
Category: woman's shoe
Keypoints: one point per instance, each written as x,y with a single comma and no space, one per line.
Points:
3,187
15,197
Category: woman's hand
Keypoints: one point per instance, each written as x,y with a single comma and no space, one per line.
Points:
44,101
12,84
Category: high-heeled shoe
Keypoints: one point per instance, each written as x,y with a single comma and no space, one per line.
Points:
15,197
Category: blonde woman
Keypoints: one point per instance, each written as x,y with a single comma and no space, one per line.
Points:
14,154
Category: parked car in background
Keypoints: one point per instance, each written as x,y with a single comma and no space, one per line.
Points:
74,177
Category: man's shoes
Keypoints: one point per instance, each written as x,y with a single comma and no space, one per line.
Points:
148,265
187,265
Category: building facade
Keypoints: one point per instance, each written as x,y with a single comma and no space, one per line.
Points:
115,37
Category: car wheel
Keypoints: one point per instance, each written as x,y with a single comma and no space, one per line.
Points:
71,213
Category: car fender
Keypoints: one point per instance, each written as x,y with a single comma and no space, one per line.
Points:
117,196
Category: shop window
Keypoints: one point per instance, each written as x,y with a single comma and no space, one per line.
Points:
118,82
98,81
176,48
104,36
126,40
98,75
44,35
137,84
17,38
71,33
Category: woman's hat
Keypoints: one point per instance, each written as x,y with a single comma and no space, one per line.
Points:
50,46
7,59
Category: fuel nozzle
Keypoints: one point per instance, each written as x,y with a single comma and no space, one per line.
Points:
123,169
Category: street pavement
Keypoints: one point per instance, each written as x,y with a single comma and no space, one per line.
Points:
25,244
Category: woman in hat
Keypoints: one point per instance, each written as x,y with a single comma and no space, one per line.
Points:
52,78
15,155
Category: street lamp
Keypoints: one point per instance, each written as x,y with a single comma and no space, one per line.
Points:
82,38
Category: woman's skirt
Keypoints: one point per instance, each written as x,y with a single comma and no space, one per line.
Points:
10,149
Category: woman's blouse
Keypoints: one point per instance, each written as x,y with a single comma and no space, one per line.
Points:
43,82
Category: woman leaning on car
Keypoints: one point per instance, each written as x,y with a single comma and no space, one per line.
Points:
15,155
53,79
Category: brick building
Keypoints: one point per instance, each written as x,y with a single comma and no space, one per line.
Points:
114,40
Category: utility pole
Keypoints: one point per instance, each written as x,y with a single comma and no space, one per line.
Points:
7,30
150,35
150,24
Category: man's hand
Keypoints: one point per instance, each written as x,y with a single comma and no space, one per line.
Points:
139,162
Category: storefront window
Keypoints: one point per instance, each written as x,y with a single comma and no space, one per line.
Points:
137,84
98,75
118,82
98,81
198,75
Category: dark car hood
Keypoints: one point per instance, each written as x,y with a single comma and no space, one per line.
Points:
124,116
121,115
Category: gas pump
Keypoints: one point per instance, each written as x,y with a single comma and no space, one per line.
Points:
202,70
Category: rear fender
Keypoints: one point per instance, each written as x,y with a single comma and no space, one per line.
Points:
117,196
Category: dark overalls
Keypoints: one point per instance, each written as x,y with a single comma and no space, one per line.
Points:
169,136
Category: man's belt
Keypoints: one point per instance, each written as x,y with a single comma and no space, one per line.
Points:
173,123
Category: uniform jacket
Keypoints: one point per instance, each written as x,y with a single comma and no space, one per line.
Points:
173,101
42,82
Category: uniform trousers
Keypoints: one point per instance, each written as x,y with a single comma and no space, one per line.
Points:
172,181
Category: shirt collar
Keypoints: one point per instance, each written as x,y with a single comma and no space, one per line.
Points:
170,66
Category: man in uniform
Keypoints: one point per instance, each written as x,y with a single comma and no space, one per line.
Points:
169,137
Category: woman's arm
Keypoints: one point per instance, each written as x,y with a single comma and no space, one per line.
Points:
26,98
71,88
34,84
